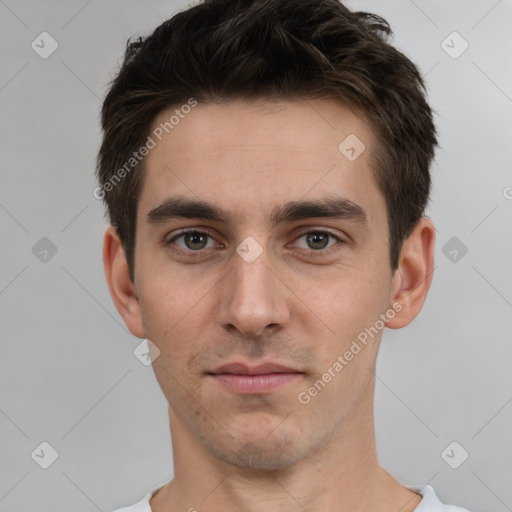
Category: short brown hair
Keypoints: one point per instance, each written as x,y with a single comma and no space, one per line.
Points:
222,50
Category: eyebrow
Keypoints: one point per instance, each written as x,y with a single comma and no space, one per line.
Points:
328,207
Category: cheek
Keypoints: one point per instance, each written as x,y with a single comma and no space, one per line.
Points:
177,320
348,346
345,310
345,299
170,322
164,311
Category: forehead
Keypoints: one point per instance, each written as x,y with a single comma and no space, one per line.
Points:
250,156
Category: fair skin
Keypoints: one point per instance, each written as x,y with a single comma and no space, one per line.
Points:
301,303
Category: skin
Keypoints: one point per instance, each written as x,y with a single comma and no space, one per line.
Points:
297,304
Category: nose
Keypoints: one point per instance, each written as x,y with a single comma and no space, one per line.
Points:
253,297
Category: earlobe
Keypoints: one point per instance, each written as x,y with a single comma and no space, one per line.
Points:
121,288
412,278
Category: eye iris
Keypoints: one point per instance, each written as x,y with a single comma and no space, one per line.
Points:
195,238
323,238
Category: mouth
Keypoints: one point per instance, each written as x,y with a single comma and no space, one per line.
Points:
254,380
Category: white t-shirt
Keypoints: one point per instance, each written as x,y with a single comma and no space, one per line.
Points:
429,503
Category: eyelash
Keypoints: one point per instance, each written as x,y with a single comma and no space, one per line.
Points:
200,253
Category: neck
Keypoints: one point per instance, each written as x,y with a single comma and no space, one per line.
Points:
344,475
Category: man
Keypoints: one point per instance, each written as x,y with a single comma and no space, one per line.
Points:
265,165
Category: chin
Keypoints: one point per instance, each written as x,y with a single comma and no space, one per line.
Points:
250,457
259,452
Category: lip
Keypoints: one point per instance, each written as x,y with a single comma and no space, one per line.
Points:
261,369
256,380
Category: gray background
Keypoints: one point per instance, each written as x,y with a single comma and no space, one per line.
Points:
68,373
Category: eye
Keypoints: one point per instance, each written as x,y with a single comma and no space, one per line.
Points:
319,240
192,240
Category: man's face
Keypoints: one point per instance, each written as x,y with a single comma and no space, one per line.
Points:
298,292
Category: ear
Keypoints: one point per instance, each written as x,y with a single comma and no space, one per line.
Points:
122,290
411,280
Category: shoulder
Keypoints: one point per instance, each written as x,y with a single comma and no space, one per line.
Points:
142,505
431,503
